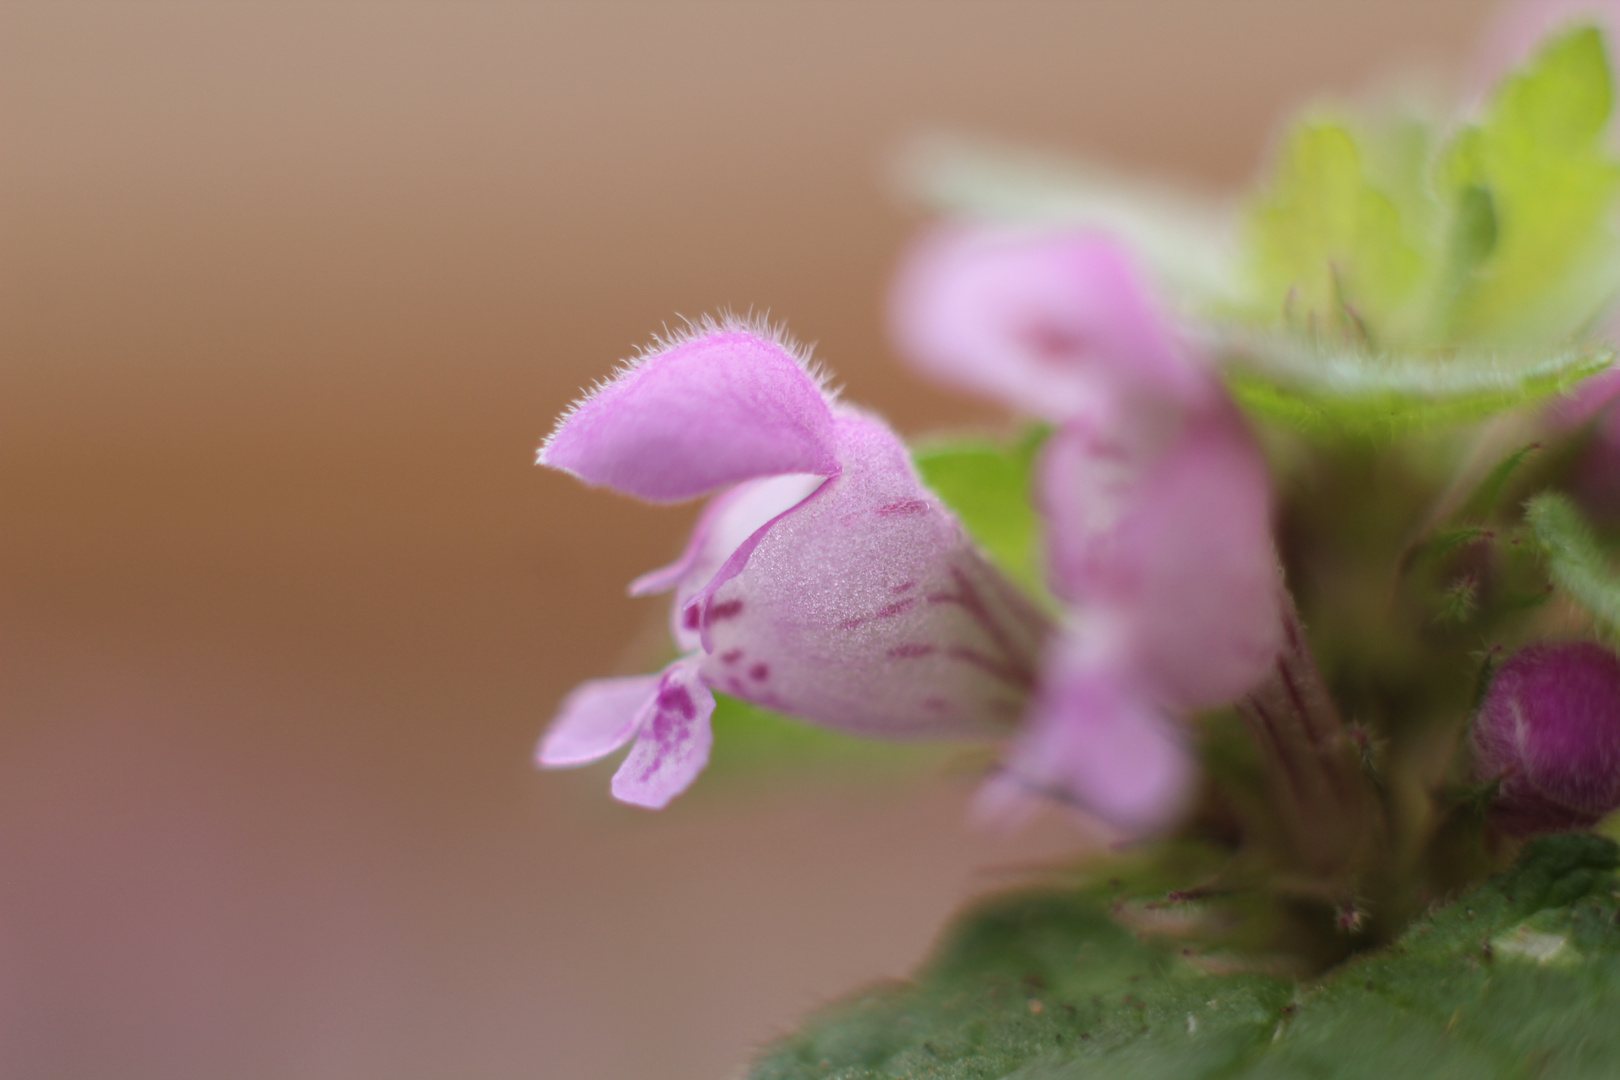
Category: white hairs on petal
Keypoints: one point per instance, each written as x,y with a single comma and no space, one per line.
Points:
727,321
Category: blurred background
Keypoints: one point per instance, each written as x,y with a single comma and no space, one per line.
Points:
289,293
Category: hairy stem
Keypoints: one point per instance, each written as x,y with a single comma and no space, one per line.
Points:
1329,814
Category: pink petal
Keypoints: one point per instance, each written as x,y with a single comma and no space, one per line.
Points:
674,741
865,608
729,520
596,719
1042,321
716,408
1174,541
1095,740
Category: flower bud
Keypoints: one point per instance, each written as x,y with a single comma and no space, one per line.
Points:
1549,734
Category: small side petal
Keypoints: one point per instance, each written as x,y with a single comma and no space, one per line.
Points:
673,745
719,407
1095,739
1043,321
595,719
865,608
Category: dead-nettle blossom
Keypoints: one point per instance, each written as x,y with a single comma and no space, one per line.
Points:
822,579
1155,499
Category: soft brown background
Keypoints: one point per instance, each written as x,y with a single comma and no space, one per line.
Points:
290,294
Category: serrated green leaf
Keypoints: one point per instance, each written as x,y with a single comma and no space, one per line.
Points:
1519,978
1576,561
1543,260
1329,252
1328,387
987,485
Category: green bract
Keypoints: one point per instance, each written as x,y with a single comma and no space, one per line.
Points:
1330,255
1315,385
1575,560
1539,164
1405,297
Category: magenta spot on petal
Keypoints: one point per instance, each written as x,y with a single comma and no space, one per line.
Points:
735,685
1051,343
905,506
728,610
690,617
907,652
888,611
676,698
666,730
731,656
936,704
904,586
760,672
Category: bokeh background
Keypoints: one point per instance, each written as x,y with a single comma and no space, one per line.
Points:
289,293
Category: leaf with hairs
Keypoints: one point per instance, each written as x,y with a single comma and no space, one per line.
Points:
1348,389
1518,978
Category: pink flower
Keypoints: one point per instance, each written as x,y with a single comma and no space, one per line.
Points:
1156,501
1053,324
822,580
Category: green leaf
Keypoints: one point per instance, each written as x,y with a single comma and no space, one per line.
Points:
750,740
1519,978
1336,388
1329,252
1575,560
987,485
1535,184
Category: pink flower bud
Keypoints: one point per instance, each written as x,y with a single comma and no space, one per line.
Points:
1549,733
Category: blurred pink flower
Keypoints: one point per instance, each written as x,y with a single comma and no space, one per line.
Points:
1156,502
1052,324
823,579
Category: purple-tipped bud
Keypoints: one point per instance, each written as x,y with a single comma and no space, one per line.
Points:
1549,732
